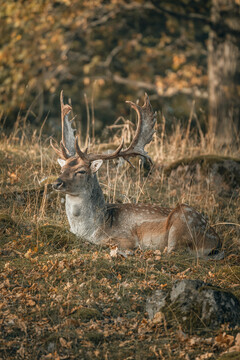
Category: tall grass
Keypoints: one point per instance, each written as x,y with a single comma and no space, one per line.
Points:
27,160
29,165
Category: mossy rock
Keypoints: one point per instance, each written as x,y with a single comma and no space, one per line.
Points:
95,336
101,269
53,237
86,314
222,173
195,305
205,161
6,222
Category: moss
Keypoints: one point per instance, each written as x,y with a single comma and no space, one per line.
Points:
231,272
8,228
53,237
86,314
123,268
232,275
95,336
190,322
6,222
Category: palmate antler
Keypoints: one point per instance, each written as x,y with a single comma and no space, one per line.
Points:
143,136
67,148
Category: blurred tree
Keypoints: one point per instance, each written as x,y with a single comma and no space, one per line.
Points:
224,71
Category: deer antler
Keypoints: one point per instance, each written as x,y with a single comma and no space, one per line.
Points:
67,148
143,136
145,130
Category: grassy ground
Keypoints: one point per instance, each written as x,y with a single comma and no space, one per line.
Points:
62,298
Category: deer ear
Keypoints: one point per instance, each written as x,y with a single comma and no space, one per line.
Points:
61,162
95,165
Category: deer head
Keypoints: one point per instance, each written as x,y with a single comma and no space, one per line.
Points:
79,166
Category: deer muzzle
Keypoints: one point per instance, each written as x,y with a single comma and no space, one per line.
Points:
58,184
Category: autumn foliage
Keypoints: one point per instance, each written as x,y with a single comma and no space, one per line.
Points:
109,49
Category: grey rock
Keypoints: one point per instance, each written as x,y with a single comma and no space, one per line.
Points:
51,347
196,304
220,174
155,303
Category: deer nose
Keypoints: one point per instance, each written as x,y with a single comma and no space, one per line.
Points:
58,184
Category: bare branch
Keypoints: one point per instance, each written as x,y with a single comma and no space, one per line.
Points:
169,92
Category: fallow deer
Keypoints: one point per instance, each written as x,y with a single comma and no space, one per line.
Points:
126,225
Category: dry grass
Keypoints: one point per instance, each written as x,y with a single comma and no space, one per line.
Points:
65,299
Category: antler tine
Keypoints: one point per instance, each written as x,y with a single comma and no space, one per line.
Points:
67,143
145,129
61,153
68,136
64,150
143,136
113,155
65,109
82,154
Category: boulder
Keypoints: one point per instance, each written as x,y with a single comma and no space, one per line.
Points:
219,173
195,305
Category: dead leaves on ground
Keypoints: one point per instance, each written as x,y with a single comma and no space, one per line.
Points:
85,303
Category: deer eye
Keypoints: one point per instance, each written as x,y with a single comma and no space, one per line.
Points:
80,172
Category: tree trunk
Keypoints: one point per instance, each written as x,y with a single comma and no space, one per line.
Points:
223,72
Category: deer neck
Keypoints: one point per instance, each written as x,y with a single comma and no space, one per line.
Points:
86,211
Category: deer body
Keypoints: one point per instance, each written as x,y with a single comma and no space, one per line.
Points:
127,225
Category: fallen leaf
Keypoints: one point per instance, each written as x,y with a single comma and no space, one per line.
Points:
224,340
204,356
158,318
181,335
114,252
31,303
65,343
235,347
28,254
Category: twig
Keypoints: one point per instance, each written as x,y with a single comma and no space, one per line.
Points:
226,223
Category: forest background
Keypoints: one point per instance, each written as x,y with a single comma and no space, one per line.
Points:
115,50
